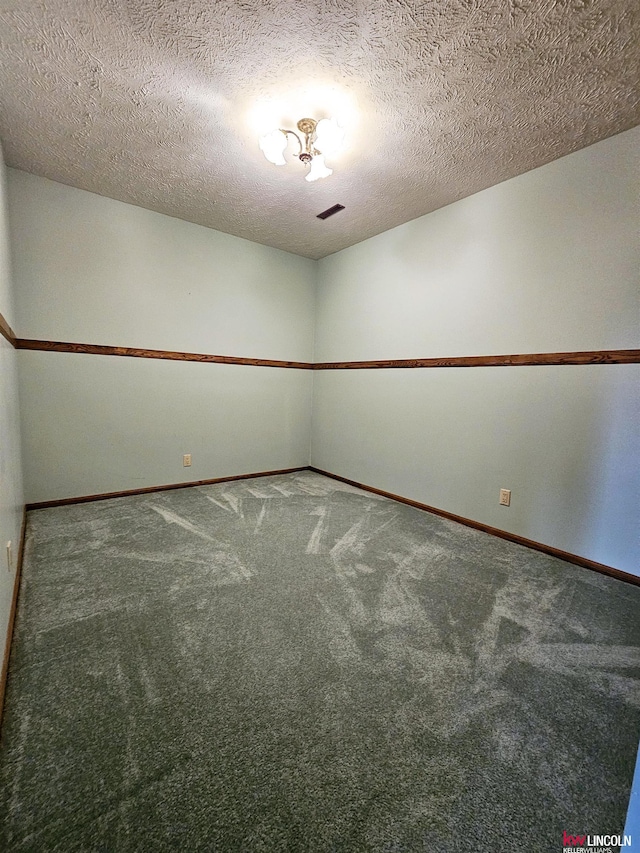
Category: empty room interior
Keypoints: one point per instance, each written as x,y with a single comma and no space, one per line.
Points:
319,443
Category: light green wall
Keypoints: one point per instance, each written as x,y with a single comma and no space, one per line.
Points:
546,262
95,424
92,270
563,439
95,270
11,497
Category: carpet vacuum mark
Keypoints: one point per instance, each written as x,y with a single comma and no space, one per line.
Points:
291,664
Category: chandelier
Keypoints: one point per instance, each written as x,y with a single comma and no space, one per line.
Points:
317,140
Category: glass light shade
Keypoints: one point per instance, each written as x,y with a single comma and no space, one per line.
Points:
329,136
272,146
318,169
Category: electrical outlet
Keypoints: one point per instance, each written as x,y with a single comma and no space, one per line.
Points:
505,497
9,557
186,460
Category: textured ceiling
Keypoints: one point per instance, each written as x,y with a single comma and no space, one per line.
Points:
160,102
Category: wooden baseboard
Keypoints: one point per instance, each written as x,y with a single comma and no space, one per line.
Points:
149,489
12,613
494,531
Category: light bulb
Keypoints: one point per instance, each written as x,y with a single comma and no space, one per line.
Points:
272,146
318,169
329,136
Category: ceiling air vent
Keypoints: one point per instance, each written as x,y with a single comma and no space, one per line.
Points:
330,211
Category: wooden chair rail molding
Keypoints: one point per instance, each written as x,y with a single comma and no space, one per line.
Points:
6,331
169,355
617,356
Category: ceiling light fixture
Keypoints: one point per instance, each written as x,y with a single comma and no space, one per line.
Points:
319,139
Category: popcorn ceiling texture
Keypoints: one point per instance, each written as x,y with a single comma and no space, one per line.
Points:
147,101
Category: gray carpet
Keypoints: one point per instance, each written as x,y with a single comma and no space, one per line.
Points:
290,664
